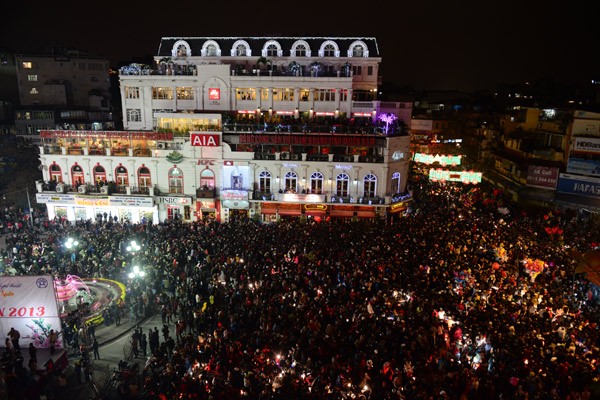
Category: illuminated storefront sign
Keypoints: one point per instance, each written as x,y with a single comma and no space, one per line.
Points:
443,160
587,144
175,200
205,139
92,201
47,198
455,176
542,177
131,201
231,194
214,94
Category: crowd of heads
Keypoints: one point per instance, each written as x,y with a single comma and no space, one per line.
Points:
440,303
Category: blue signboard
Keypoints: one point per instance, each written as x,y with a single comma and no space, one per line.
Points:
579,185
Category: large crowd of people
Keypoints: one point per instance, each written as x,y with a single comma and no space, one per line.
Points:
466,297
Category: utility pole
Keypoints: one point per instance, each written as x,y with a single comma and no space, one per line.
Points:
30,212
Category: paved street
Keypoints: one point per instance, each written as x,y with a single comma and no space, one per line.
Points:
113,340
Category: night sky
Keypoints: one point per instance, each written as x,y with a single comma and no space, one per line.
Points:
447,45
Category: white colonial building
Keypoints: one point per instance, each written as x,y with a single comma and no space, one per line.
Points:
265,127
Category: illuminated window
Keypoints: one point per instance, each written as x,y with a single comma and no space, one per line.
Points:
291,182
185,93
342,184
55,173
33,91
283,94
99,174
264,94
304,94
325,95
121,177
316,183
264,182
245,94
27,65
144,179
132,92
32,78
162,93
207,179
77,177
395,183
175,180
369,185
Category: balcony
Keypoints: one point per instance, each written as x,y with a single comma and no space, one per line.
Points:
54,187
206,193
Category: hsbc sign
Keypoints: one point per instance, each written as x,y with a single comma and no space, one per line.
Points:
205,139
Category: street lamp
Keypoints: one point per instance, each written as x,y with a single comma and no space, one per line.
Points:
71,244
133,247
137,272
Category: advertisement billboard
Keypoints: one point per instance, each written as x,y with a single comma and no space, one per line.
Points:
586,144
542,177
29,305
579,185
583,166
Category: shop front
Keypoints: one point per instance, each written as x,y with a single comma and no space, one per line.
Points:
206,209
134,209
174,208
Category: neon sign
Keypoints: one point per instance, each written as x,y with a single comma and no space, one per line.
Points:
441,159
465,177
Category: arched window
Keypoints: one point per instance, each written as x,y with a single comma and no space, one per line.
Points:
55,173
99,174
237,180
121,177
207,179
316,183
395,183
181,50
241,50
77,177
342,185
300,50
329,51
291,182
357,51
264,182
175,180
211,50
144,179
272,50
370,185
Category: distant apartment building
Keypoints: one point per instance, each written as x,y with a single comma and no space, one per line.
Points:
64,89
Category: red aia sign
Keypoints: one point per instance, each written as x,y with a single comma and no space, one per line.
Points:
214,94
205,139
